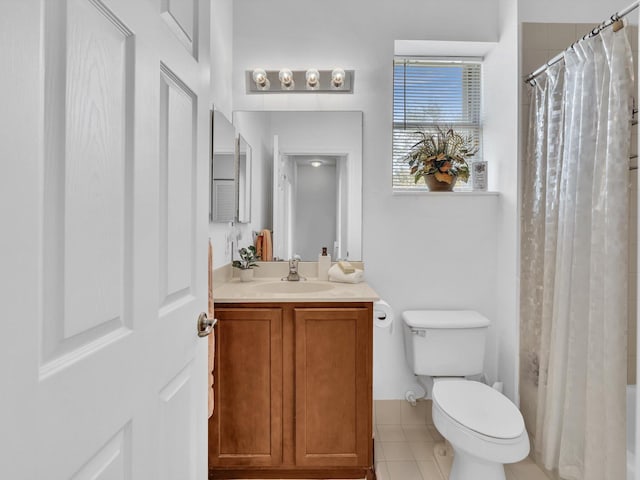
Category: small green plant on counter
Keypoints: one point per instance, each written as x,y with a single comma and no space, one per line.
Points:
248,258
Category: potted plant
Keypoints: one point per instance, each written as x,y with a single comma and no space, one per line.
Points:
246,263
440,158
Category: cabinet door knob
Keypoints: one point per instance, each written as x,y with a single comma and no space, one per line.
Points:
205,324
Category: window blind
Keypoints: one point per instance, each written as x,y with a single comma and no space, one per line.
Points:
426,93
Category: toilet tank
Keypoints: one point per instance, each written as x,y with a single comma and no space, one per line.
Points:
445,343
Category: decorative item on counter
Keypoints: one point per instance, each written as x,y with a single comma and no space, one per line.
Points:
479,176
324,264
439,157
246,263
337,275
346,267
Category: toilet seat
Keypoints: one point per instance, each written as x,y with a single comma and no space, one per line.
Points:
457,414
479,408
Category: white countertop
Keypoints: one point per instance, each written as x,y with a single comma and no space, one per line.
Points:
235,291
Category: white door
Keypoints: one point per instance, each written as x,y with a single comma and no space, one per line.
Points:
104,132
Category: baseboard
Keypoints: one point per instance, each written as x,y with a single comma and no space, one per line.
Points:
264,473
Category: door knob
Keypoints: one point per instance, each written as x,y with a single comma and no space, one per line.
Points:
205,324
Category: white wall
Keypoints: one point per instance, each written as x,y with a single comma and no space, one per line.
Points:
421,251
221,54
569,11
500,121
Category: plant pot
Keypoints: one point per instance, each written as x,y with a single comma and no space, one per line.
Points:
436,185
246,275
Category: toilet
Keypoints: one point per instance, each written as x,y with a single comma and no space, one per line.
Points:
485,428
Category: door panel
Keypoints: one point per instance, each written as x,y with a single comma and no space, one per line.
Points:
86,283
112,461
178,435
96,129
112,383
177,202
182,19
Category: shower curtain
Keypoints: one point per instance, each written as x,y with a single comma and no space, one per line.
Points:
574,257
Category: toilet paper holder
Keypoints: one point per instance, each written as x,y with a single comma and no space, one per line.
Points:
383,315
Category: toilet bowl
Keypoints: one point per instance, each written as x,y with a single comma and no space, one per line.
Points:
484,428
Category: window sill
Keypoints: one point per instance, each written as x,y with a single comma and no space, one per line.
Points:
468,193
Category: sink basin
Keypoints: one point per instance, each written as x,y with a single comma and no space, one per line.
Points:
292,287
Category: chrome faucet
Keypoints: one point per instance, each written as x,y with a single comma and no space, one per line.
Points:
293,269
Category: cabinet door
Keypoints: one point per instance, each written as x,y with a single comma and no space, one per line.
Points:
246,427
333,386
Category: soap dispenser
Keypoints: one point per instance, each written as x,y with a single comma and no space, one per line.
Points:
324,264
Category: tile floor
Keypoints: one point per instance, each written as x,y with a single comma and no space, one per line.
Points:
409,447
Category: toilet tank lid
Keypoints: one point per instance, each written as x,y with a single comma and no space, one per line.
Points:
444,319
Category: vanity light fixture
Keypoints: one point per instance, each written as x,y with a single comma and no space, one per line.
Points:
316,163
313,79
337,78
261,80
286,79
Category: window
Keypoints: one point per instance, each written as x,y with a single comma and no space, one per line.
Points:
426,93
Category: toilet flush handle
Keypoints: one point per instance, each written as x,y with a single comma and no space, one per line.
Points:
418,331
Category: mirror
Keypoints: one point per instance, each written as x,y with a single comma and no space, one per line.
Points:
230,173
243,166
308,176
223,208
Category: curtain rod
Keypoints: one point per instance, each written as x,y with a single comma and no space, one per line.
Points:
616,17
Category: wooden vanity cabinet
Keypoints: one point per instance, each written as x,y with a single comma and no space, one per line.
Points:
293,391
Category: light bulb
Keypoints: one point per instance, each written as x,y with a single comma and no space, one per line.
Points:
286,79
261,80
316,163
313,79
337,78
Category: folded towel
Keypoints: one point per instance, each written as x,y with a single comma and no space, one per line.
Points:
337,275
346,267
